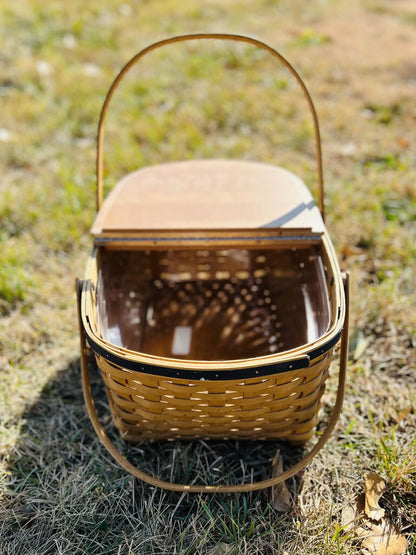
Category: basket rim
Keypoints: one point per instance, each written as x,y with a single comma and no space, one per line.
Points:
218,374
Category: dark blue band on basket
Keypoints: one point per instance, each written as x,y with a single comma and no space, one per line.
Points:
325,348
215,375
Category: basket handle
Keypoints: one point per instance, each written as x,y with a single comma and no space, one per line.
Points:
222,36
195,488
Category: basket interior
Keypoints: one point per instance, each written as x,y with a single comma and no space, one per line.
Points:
212,304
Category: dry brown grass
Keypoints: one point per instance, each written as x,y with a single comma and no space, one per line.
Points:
60,491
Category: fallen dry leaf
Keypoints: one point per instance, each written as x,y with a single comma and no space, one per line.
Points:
350,250
366,519
281,498
403,143
352,513
348,517
374,488
382,539
361,347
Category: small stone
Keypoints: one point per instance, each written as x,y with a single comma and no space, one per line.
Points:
43,67
69,41
5,135
125,9
348,149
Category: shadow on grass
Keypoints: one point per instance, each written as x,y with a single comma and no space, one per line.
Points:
66,494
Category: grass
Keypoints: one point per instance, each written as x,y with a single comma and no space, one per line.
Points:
60,492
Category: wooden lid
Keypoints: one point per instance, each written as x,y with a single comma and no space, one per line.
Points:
208,195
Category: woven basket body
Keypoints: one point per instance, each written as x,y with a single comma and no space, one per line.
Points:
283,405
217,343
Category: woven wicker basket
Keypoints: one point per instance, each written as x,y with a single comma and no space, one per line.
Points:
212,322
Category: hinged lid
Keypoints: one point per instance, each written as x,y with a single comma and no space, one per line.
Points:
204,195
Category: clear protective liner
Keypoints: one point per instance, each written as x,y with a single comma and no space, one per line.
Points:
213,304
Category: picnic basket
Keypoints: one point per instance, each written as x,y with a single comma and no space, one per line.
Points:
212,301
